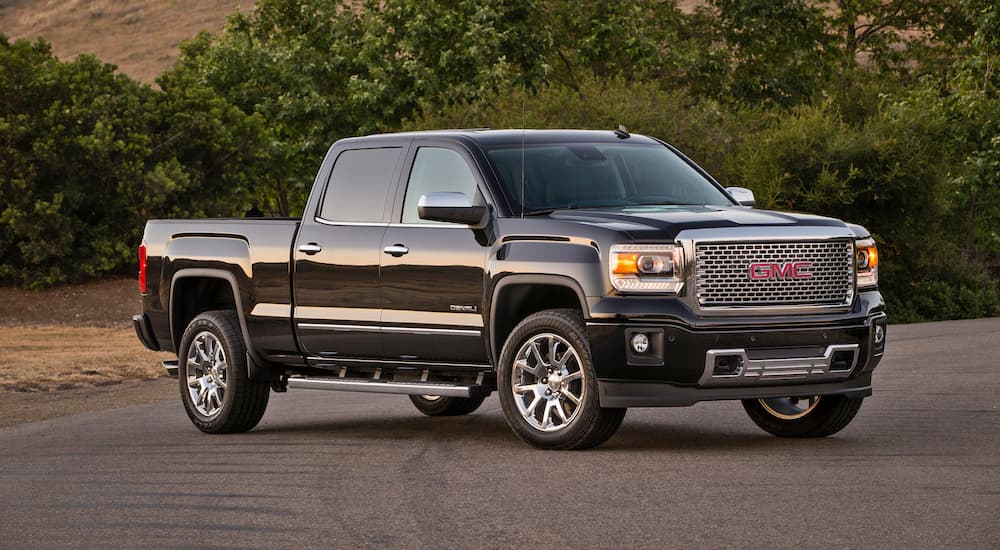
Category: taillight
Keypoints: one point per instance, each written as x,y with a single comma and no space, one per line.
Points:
142,268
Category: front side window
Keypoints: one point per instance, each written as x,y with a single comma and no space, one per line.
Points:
595,175
359,185
435,170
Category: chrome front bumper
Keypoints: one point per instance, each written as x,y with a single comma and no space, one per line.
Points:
727,367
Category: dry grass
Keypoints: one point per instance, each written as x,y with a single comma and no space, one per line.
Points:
140,36
42,358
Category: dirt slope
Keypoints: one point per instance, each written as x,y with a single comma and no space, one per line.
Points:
140,36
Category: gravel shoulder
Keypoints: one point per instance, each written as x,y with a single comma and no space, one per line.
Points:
72,349
20,407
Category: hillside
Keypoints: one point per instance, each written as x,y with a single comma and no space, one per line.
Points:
140,36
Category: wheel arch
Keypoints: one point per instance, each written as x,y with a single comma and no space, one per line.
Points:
517,296
196,290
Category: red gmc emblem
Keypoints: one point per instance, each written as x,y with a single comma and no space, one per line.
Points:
773,270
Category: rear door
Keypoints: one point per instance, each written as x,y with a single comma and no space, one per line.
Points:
433,272
337,254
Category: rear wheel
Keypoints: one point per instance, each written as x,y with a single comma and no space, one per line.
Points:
548,386
216,390
436,405
813,416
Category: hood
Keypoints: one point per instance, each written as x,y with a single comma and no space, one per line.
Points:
643,223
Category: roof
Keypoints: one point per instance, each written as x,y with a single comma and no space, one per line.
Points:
514,137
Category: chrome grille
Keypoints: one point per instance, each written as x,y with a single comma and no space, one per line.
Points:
723,274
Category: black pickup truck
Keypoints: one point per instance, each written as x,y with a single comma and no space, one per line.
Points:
576,273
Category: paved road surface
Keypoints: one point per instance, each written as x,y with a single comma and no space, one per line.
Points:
919,468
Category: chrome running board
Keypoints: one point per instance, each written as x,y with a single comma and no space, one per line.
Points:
171,368
377,386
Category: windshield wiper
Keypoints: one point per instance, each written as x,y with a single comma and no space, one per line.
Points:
546,211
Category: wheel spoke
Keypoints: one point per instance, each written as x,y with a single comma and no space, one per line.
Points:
214,400
573,376
553,343
202,346
560,411
530,410
538,356
546,418
522,364
522,389
569,395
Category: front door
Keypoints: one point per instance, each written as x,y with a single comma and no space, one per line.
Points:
432,272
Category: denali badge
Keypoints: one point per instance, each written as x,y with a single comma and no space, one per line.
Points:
790,270
463,309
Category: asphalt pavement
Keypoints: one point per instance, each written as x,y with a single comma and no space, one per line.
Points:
918,468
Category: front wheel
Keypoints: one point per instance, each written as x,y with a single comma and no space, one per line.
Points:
815,416
548,386
216,390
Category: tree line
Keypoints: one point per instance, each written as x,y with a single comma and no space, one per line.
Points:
881,112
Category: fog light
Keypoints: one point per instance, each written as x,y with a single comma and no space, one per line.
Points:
728,365
879,333
640,342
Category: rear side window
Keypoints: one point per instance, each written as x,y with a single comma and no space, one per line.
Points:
435,170
359,185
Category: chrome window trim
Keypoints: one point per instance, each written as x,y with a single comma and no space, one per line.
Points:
434,225
351,224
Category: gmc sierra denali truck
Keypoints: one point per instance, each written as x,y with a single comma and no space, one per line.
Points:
576,273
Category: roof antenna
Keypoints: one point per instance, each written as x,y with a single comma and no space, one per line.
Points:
622,132
524,100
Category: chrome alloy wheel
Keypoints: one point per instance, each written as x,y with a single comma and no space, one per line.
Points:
206,374
790,408
548,382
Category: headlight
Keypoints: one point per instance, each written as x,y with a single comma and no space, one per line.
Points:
647,268
867,262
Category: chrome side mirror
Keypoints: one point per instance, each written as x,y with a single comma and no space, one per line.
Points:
742,195
452,207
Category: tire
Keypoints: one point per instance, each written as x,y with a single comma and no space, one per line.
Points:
216,390
546,412
820,416
434,405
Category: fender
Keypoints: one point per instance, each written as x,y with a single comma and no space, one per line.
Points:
529,279
255,370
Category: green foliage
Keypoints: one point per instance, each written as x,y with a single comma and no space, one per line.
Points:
317,71
87,155
780,50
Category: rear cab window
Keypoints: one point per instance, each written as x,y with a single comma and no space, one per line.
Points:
359,185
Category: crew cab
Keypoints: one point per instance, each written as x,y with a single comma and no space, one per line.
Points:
575,273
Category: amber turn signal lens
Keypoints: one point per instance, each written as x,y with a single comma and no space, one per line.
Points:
626,264
872,256
867,257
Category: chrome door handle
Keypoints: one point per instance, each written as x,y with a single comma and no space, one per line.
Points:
396,250
310,248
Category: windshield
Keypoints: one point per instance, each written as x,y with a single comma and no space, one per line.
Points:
593,175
